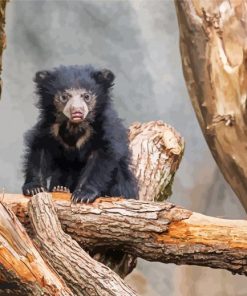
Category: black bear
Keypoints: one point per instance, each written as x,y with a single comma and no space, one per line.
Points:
79,144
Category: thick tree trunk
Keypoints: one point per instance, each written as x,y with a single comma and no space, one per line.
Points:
83,275
153,231
213,48
22,269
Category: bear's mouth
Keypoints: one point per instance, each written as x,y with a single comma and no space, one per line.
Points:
77,116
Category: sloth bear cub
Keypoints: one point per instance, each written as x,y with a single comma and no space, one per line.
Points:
79,144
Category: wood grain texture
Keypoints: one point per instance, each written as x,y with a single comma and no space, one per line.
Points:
154,231
157,149
22,269
83,275
213,47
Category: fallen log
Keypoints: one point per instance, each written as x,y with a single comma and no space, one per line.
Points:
153,231
22,269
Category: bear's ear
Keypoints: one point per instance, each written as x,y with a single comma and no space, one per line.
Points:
104,77
41,76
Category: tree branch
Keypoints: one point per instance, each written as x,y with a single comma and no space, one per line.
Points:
157,149
83,275
22,269
153,231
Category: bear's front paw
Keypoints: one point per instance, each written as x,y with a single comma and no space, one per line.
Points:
60,189
84,195
32,188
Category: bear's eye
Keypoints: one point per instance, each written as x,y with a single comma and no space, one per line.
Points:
63,98
87,97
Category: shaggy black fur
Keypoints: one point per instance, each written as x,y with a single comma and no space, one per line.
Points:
100,167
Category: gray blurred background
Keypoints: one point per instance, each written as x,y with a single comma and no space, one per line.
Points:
139,41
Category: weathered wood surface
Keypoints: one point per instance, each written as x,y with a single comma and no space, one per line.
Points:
213,47
83,275
157,149
22,269
153,231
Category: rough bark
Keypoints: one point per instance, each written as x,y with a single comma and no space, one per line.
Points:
83,275
157,149
2,36
153,231
22,269
213,47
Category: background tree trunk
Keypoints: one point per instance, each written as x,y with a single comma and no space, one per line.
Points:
213,47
